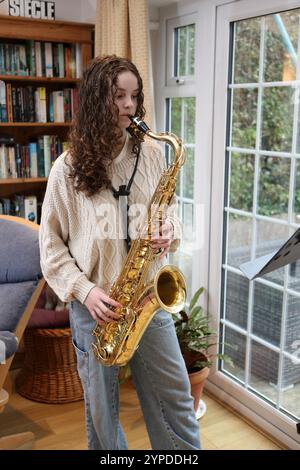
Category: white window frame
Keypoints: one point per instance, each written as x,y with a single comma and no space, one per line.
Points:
273,421
204,12
171,25
181,14
211,105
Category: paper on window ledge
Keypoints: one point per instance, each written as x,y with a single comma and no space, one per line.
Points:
288,253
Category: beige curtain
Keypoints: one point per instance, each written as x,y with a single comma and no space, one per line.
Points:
122,29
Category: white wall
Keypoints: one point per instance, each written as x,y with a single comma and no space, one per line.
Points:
76,10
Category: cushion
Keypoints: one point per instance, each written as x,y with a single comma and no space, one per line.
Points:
44,318
19,253
14,299
8,345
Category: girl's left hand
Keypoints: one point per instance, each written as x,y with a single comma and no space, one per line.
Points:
162,239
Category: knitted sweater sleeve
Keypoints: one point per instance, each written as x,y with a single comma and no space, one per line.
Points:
58,266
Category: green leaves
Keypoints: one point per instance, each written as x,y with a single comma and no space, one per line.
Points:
195,336
196,297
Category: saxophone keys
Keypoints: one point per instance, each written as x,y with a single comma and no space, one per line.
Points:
143,251
139,262
124,299
127,288
132,274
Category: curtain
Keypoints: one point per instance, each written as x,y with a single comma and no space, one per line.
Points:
122,28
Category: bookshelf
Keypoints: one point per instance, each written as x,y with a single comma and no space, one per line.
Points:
41,62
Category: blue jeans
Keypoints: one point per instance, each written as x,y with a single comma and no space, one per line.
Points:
160,379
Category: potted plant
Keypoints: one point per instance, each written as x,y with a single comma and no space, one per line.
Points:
196,339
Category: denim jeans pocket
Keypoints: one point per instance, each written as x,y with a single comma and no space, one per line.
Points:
161,319
82,363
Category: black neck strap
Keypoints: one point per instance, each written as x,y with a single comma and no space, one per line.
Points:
123,189
123,192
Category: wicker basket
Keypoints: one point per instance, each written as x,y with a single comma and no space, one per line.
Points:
49,373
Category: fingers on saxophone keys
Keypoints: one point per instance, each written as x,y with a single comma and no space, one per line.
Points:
108,301
101,314
102,318
97,316
160,244
163,244
110,315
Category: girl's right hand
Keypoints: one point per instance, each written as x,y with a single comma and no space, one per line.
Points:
98,304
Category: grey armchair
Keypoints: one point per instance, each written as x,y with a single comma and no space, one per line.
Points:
21,283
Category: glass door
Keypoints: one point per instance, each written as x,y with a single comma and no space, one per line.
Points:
257,153
180,119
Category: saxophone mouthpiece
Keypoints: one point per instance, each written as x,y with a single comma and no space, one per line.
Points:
141,125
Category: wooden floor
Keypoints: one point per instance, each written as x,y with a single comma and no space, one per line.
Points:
62,426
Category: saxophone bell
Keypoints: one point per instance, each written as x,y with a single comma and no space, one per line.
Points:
170,288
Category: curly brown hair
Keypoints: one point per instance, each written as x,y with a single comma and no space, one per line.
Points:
94,134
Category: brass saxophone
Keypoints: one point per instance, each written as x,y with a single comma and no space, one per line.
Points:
117,341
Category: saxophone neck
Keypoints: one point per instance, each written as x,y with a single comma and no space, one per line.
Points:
138,126
176,144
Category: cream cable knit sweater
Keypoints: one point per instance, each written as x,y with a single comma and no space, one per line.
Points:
79,243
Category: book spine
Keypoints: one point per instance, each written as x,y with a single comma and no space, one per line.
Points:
33,159
30,206
38,58
3,105
47,154
48,60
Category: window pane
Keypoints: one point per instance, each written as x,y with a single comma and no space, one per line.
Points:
292,327
188,174
191,43
291,384
241,181
264,365
181,121
296,211
267,313
277,119
246,50
175,124
178,185
291,361
188,226
239,239
281,40
237,296
184,261
189,120
270,237
244,117
262,104
298,123
184,51
294,276
235,348
274,182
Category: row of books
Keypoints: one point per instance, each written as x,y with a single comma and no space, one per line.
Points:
36,104
41,59
20,205
32,160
